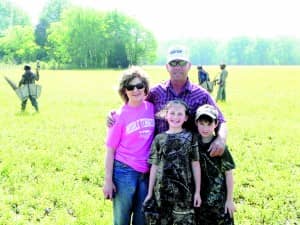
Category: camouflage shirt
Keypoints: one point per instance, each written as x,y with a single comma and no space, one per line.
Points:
173,154
213,180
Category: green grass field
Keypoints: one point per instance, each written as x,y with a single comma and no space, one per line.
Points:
52,163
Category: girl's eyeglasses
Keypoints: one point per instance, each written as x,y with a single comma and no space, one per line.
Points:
178,63
130,87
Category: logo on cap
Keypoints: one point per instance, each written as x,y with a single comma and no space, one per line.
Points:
177,53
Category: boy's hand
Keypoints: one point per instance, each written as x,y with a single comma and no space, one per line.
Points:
230,208
217,147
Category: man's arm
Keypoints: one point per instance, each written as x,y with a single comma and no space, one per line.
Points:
110,119
217,147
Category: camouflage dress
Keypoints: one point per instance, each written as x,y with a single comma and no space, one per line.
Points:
174,186
213,187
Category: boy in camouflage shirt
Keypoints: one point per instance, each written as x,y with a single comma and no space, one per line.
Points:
174,183
217,206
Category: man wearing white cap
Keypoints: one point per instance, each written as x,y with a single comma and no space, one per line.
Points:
179,87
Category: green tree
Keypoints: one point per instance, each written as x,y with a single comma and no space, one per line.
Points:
262,51
203,51
51,13
18,45
11,15
239,51
128,41
56,47
81,32
94,39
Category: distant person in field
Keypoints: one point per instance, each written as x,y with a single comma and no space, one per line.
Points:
175,170
29,78
221,95
216,173
203,79
179,86
128,147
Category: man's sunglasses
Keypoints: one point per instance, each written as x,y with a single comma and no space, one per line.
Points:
178,63
130,87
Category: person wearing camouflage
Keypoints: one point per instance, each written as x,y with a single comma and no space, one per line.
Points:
217,206
174,183
221,95
29,78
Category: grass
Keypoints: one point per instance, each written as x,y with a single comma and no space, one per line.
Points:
52,163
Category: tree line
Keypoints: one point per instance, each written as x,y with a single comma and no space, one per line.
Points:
67,36
239,51
73,37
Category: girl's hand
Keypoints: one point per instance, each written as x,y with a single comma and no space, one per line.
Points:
197,200
230,208
148,197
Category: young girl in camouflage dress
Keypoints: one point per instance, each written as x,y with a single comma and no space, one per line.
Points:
174,182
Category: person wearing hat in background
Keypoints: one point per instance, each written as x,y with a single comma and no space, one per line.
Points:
216,173
203,79
221,95
29,78
179,86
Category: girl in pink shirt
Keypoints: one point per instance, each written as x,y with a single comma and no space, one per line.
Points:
128,148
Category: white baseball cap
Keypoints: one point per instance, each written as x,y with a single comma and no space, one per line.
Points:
178,53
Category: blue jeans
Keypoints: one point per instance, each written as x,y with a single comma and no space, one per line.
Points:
132,188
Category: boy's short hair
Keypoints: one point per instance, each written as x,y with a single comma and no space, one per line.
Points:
207,110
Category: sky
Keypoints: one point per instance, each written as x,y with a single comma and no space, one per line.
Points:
218,19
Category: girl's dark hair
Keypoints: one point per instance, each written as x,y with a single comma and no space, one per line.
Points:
128,76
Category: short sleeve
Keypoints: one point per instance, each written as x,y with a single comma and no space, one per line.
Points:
194,154
155,156
114,133
227,161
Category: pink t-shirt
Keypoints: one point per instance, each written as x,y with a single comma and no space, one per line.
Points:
132,134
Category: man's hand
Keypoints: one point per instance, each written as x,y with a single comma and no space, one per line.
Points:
110,120
217,147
